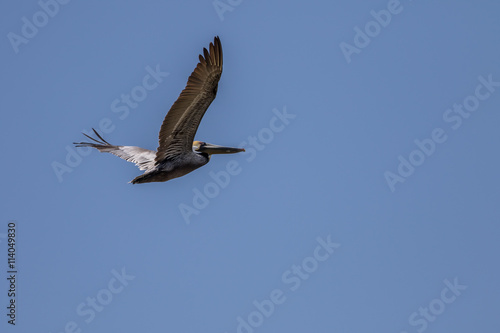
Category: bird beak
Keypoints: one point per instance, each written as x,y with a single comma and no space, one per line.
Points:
211,149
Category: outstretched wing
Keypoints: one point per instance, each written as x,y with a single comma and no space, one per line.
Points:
143,158
182,121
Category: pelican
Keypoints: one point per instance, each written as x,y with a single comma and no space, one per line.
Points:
177,153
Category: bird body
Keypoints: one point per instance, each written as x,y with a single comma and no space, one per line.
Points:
169,169
177,154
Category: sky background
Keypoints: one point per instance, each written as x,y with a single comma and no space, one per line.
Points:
321,173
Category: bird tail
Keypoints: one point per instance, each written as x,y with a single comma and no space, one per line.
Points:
144,178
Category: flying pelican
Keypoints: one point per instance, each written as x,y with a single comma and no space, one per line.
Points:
177,154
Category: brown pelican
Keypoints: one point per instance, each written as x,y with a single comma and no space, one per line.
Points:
177,154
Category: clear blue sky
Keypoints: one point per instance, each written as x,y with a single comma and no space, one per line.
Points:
367,200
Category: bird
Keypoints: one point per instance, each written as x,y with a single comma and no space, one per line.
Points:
177,154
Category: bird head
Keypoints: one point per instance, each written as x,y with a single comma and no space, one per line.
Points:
210,149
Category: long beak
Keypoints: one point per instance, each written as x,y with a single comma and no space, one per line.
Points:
211,149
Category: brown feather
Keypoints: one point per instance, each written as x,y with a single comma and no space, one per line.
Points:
182,120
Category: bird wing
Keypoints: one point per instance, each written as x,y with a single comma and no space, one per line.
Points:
182,120
143,158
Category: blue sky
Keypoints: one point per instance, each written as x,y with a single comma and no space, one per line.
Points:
367,200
